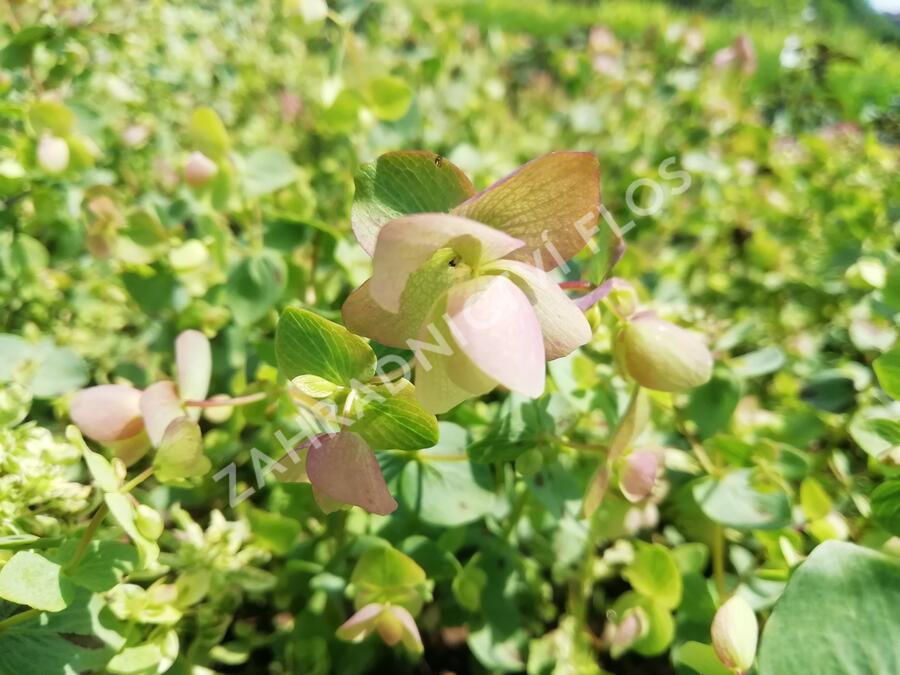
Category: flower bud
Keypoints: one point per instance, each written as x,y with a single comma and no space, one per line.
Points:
199,169
135,135
734,634
660,355
53,154
639,475
529,462
148,522
633,626
393,623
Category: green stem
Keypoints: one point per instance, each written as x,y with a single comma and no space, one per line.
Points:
16,619
590,447
137,480
515,514
580,590
86,537
699,452
718,561
246,399
397,373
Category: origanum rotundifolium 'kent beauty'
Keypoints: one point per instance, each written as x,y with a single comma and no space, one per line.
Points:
470,291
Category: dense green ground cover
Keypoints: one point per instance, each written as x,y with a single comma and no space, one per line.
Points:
760,202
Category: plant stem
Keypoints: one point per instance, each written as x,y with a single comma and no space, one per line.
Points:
137,480
718,561
515,514
580,285
13,19
16,619
592,447
396,373
699,452
86,537
246,399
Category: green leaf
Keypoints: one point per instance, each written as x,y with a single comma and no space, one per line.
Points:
51,116
49,370
254,286
399,183
699,657
711,406
519,425
16,542
394,420
831,391
274,531
81,638
662,626
761,362
61,371
180,454
389,97
122,510
315,386
267,170
141,660
208,134
734,502
887,368
468,585
342,116
886,506
307,344
437,561
385,575
100,468
654,573
103,566
838,614
876,430
31,579
815,501
443,487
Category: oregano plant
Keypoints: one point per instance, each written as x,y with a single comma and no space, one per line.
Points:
544,338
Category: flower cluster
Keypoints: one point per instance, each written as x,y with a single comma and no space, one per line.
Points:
470,292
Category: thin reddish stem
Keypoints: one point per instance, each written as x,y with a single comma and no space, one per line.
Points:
577,285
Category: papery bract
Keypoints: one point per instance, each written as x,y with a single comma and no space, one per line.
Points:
639,475
344,469
199,169
160,405
180,452
393,623
193,364
660,355
108,412
631,628
53,154
429,266
734,634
